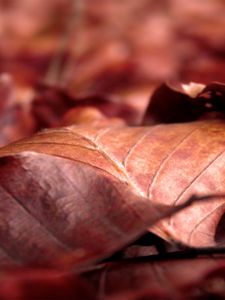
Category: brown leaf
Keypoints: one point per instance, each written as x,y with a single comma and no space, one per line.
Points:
51,106
90,116
95,190
69,194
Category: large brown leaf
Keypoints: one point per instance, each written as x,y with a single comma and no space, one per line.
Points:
94,190
62,192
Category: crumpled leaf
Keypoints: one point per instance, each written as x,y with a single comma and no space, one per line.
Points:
92,191
179,103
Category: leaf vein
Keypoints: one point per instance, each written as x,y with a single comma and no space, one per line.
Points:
200,222
164,161
196,177
28,212
133,147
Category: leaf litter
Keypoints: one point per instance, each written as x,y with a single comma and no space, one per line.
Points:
122,196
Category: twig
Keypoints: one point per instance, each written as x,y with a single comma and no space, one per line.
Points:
189,253
53,74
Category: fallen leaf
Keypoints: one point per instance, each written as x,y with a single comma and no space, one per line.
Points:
168,278
177,103
92,191
42,283
53,106
70,198
65,204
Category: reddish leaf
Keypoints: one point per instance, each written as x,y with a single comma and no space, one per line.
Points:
83,198
170,278
201,278
30,283
15,122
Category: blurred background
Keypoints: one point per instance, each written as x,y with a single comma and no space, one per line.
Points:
56,52
113,46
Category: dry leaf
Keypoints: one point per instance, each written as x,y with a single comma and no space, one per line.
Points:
170,279
176,103
95,190
53,106
74,197
42,283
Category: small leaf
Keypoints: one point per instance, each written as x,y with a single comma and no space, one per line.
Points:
185,103
51,106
